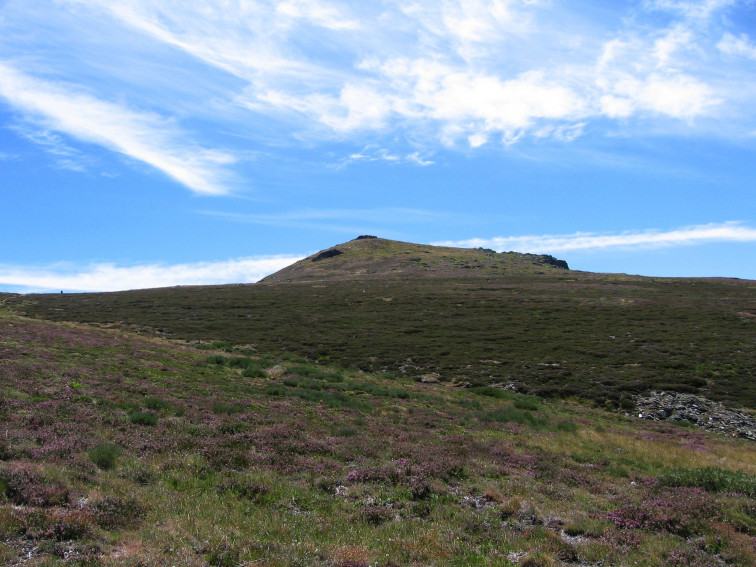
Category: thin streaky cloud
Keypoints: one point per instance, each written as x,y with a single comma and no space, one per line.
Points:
686,236
145,137
110,277
65,157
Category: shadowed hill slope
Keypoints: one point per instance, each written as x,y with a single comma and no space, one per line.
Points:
466,316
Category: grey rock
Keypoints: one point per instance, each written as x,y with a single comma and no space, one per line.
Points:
705,413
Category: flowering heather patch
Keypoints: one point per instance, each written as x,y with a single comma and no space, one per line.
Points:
23,486
239,467
112,512
57,524
680,511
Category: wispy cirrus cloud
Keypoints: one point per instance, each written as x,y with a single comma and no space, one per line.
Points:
591,241
464,71
142,136
372,153
65,156
111,277
412,78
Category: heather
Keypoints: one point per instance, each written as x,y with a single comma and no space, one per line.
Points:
557,334
120,449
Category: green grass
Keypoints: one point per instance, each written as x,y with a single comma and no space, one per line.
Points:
712,479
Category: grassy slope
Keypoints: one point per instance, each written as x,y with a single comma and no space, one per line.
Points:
557,333
270,461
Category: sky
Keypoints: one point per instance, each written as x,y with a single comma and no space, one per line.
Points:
149,144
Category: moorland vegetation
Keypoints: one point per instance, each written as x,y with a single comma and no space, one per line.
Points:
377,404
123,450
472,317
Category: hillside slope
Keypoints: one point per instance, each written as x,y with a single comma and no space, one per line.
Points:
469,317
120,450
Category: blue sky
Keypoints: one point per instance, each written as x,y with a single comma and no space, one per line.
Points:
147,144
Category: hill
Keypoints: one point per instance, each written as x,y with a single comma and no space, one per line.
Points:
369,258
468,317
123,450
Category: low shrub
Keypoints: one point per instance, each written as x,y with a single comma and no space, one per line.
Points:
332,399
57,524
138,472
245,488
239,362
289,357
112,512
228,409
566,426
679,511
143,418
513,415
526,403
376,515
157,404
711,479
275,390
317,373
222,555
492,392
104,455
24,487
254,371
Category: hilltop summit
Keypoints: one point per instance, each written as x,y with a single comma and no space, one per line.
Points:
370,257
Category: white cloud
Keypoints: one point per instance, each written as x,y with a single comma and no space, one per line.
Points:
676,96
372,153
462,104
691,9
591,241
318,12
248,39
109,277
741,46
642,74
455,72
145,137
675,40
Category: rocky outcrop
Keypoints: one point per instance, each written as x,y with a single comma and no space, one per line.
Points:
327,254
551,261
711,416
